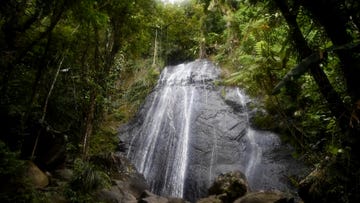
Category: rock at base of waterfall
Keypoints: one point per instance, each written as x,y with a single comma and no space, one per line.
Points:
148,197
229,186
265,197
114,195
210,199
127,184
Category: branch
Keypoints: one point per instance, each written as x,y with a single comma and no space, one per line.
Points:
297,71
306,63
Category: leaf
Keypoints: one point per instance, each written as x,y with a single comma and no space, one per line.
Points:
260,46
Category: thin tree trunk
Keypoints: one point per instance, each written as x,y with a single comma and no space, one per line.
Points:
89,125
155,48
202,47
45,107
90,114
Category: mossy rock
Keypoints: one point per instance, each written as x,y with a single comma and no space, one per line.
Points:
37,178
229,186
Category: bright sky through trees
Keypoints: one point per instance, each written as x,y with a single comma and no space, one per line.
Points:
172,1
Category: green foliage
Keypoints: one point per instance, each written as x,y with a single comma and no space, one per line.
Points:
179,31
258,53
79,38
14,187
138,82
86,180
10,164
104,141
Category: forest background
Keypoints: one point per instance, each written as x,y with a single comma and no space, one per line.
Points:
73,71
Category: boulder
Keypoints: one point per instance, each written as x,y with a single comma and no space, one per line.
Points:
148,197
37,177
210,199
315,186
229,186
331,181
127,184
50,152
177,200
124,175
115,195
265,197
131,186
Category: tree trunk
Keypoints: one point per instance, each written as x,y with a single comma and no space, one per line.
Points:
333,99
89,124
98,78
155,48
334,19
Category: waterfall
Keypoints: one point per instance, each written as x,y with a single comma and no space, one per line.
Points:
190,130
256,152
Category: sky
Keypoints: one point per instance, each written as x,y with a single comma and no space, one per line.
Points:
173,1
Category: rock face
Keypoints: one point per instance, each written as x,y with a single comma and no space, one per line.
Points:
190,130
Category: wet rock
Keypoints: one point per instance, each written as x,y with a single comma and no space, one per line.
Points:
131,186
265,197
189,121
230,186
148,197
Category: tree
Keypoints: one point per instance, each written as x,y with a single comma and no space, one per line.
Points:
85,37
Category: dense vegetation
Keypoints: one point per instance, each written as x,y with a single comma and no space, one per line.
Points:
73,71
312,49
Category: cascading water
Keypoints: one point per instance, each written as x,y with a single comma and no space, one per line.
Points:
255,152
189,131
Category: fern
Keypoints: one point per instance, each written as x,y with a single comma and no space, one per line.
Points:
260,47
87,179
